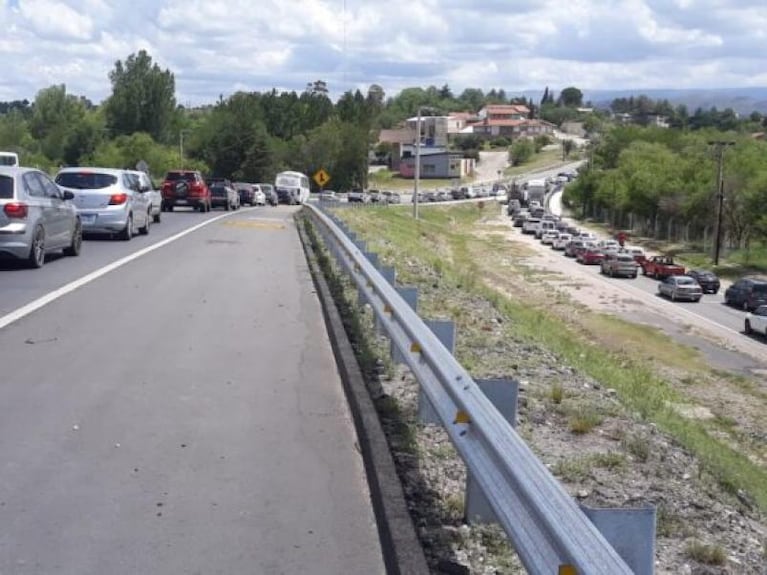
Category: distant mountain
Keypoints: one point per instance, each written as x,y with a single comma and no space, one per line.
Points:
742,100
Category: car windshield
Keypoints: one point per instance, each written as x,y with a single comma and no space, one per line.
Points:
86,180
760,288
6,187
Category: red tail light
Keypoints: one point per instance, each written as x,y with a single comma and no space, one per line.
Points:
196,189
16,210
117,199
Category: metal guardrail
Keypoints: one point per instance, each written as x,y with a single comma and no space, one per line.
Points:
547,528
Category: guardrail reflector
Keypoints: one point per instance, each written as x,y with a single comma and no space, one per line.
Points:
462,417
567,570
415,347
387,308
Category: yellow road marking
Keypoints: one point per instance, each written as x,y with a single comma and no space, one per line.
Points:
254,225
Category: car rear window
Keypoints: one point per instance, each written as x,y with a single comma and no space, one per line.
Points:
685,281
758,288
6,187
625,259
175,176
86,180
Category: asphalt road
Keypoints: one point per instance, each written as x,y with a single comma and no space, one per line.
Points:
181,413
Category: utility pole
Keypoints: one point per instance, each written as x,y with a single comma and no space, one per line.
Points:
719,148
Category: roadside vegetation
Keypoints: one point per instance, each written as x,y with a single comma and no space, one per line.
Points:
444,249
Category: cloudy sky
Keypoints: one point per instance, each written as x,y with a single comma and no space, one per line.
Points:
220,46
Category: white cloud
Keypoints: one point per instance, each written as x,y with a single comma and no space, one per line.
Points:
218,46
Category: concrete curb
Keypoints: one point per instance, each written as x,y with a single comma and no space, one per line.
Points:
402,551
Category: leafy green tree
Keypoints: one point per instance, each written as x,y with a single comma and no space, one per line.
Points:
56,117
571,97
143,98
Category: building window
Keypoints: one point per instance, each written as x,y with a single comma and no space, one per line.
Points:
429,169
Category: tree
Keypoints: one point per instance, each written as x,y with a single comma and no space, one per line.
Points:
571,97
56,116
143,98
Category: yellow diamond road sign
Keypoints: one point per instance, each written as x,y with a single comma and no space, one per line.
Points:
321,177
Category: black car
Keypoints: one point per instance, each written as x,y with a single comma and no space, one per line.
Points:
747,293
707,280
247,193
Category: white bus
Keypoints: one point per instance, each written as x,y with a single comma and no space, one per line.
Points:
292,188
9,159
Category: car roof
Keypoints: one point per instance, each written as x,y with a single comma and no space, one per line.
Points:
78,169
16,170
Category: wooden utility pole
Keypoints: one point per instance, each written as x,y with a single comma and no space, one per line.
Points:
719,147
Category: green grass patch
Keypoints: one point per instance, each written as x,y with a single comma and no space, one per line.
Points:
541,161
388,180
706,554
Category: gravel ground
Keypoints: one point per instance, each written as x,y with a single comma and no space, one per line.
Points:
623,462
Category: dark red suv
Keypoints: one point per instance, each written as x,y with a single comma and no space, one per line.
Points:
185,188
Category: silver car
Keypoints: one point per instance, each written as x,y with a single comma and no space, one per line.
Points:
680,288
108,200
36,216
155,197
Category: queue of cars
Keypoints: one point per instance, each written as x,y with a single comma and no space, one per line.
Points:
40,215
615,260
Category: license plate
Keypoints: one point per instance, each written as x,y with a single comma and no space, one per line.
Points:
180,201
88,218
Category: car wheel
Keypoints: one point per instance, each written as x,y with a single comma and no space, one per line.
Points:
226,206
747,326
169,207
76,243
127,233
144,231
156,218
208,206
36,257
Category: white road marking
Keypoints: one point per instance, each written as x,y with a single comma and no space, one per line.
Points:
42,301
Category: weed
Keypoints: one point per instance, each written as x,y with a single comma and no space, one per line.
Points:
609,460
454,506
557,393
638,446
572,470
706,554
583,420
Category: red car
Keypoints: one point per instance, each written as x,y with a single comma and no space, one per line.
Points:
590,256
185,188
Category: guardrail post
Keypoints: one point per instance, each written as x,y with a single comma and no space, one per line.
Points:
631,532
502,393
410,295
445,332
390,275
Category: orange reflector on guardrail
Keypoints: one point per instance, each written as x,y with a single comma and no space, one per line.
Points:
567,570
462,417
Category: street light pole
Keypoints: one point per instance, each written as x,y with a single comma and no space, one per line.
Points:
719,146
417,175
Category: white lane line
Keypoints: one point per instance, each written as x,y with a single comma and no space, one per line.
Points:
35,305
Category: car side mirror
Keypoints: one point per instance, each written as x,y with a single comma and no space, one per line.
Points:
67,195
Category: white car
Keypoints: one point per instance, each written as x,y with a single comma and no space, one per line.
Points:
259,197
549,237
561,242
756,321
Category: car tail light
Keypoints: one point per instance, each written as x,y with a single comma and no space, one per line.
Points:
117,199
16,210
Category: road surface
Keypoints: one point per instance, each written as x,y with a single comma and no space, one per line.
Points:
181,413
